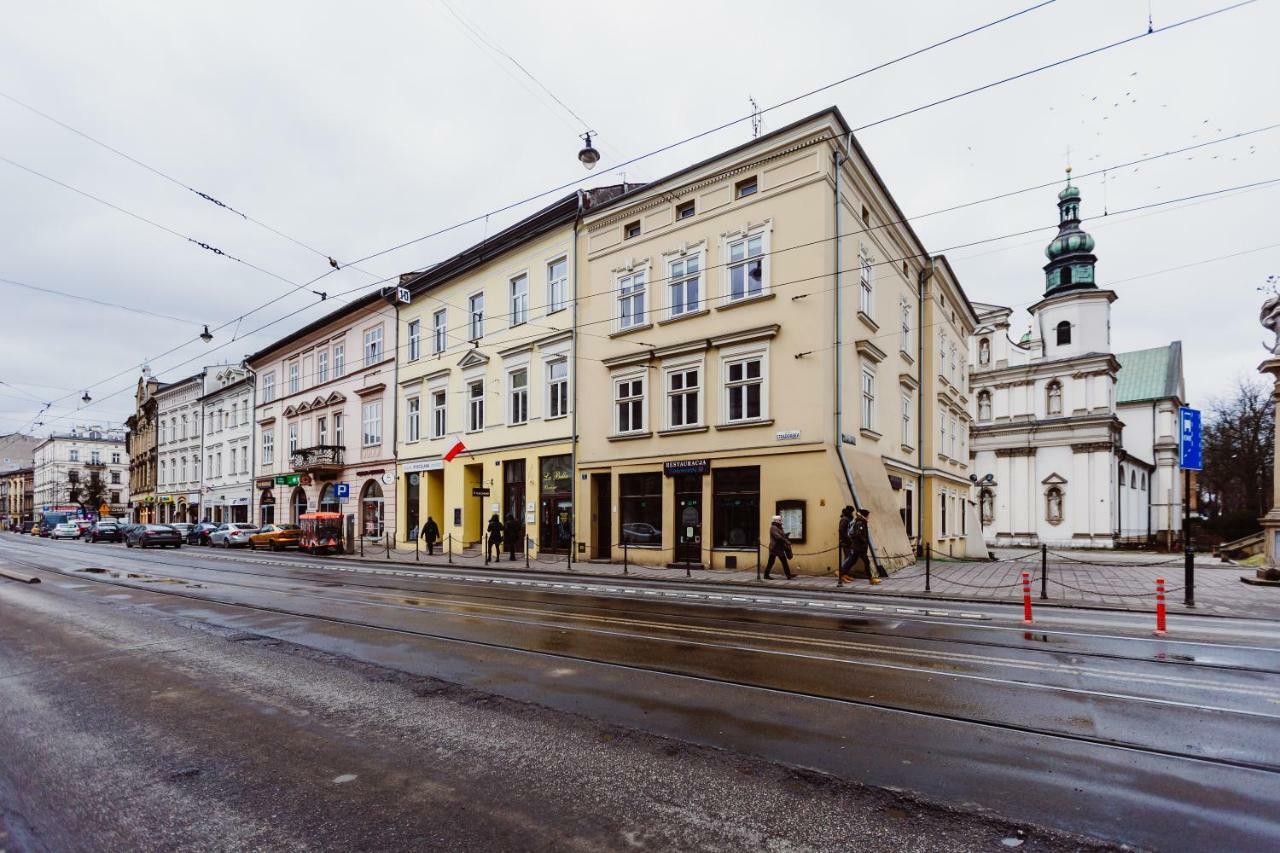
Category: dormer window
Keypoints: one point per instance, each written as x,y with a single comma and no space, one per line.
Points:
745,187
631,230
1064,332
685,211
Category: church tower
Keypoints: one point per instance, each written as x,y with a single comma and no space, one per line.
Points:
1071,258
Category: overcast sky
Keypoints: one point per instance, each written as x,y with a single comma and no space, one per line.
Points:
353,127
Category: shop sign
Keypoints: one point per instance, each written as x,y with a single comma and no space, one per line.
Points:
166,499
266,484
424,465
239,501
847,439
673,467
478,492
286,479
787,435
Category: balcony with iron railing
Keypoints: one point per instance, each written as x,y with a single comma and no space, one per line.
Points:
321,459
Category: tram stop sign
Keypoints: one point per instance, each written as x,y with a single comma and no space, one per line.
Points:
1190,451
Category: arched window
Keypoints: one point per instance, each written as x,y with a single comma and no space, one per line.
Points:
984,406
298,504
1133,479
984,352
987,501
328,503
1064,333
371,509
267,507
1054,398
1053,505
1144,482
1122,476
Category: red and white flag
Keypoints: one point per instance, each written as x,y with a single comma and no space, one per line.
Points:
455,447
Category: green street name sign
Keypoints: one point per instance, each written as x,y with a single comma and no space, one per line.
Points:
286,479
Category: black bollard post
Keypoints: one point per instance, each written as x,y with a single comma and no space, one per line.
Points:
758,562
571,546
1044,572
625,559
928,568
1189,577
362,545
451,549
415,549
527,543
386,538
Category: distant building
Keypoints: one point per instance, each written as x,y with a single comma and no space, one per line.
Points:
225,483
17,497
16,451
178,439
140,445
66,463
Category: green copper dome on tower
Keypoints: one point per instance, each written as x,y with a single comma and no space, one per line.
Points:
1070,253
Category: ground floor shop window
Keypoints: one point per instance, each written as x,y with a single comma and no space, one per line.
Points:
266,507
735,499
371,509
328,503
640,508
298,502
555,528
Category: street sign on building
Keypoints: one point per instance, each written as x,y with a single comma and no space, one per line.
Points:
342,491
286,479
1190,455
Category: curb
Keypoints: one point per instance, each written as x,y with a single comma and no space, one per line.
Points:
18,576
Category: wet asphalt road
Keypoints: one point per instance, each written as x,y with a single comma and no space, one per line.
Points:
1157,743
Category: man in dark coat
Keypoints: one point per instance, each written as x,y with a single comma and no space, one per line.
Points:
495,538
860,540
430,533
779,548
845,538
512,534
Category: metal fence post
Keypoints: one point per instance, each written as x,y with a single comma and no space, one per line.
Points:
1189,577
572,545
1044,571
527,544
386,538
361,544
415,549
928,568
451,549
625,558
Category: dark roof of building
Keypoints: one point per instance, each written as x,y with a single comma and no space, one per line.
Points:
1150,374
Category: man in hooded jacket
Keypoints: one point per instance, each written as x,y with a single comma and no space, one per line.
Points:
495,538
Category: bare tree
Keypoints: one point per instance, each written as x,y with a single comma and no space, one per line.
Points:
1239,449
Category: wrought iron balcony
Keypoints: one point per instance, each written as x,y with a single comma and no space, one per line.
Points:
323,458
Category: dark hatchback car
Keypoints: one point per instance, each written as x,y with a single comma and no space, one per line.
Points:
199,534
152,536
105,531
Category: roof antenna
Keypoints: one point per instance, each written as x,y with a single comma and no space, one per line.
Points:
757,118
1150,28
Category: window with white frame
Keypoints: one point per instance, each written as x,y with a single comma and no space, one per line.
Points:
746,267
268,387
475,405
744,388
865,294
184,469
413,419
518,395
557,285
439,413
684,395
339,360
475,316
268,446
904,342
415,340
244,459
869,399
628,397
372,345
908,414
322,367
232,467
293,439
439,330
954,426
942,433
337,429
73,455
218,472
520,300
631,292
557,388
685,285
295,385
371,423
115,458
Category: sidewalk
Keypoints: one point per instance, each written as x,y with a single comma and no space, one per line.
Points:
1114,580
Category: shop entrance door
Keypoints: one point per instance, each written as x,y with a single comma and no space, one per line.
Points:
602,520
513,502
688,518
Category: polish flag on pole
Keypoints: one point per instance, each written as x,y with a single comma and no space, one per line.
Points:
455,447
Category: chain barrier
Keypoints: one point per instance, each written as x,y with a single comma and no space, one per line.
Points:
1125,565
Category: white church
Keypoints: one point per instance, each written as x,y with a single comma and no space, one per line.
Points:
1073,445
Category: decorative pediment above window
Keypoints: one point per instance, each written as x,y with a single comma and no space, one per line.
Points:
335,397
906,380
1054,480
868,350
290,411
371,389
473,358
317,403
301,409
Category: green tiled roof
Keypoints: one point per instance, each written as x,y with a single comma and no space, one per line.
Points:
1149,374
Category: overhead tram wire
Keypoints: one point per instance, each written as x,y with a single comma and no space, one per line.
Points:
130,308
747,117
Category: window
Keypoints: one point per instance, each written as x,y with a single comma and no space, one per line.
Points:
869,400
295,385
268,387
984,406
232,467
339,360
415,340
745,187
904,341
908,413
631,300
74,455
244,459
630,230
685,210
1064,333
438,421
557,285
322,367
73,476
1053,505
865,300
954,424
866,215
184,426
519,300
1133,479
942,505
268,447
1054,398
685,285
337,430
412,419
984,352
557,388
115,458
371,423
372,345
518,393
628,396
942,433
746,267
475,405
475,313
682,397
115,497
744,389
322,430
735,498
439,331
218,468
293,438
115,478
640,509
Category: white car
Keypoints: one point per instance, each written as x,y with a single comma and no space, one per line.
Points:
232,535
69,530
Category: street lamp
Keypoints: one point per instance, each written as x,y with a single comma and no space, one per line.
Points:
588,156
86,398
206,335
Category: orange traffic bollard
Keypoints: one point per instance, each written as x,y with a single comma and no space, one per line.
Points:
1160,626
1026,598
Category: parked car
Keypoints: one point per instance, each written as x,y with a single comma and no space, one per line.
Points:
234,535
183,529
277,537
66,530
105,531
199,534
152,535
28,527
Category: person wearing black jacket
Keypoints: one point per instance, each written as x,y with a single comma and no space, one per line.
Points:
512,534
495,538
844,536
779,548
861,540
430,533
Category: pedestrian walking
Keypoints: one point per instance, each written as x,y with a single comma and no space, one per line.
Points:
495,538
860,540
430,533
779,548
845,538
512,534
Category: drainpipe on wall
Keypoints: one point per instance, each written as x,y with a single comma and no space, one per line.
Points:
395,434
924,276
573,378
839,158
253,444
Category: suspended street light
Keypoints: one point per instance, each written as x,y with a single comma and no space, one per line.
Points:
86,398
588,156
206,335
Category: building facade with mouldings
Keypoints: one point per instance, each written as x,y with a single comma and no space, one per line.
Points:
65,463
324,419
178,435
141,448
748,345
225,407
17,497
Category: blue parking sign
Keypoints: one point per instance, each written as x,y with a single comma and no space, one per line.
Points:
1190,453
342,491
